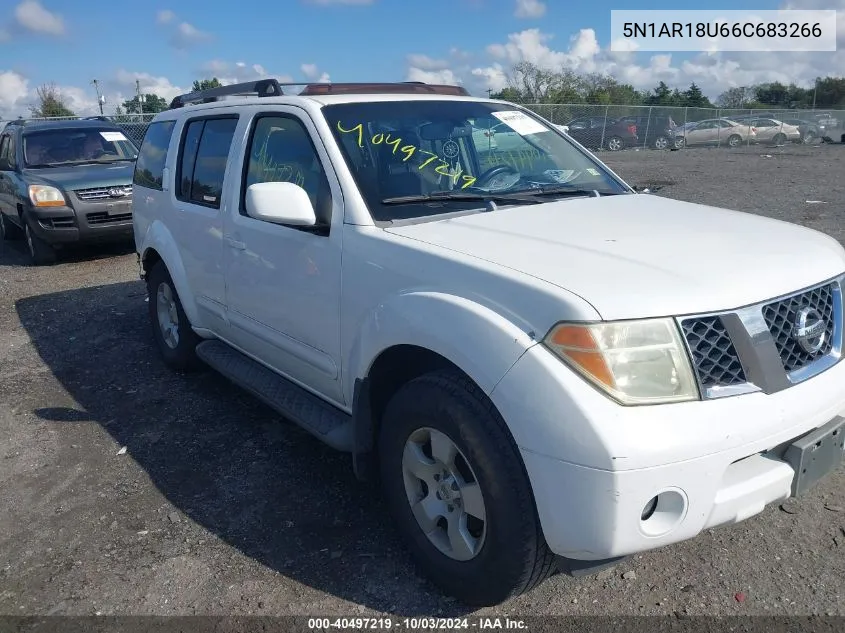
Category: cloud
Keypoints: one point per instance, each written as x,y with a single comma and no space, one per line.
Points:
34,17
182,35
186,35
165,16
425,62
238,72
149,84
529,9
14,88
312,73
445,76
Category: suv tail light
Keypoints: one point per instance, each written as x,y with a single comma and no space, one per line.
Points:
632,129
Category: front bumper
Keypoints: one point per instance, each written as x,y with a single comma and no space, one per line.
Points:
594,466
84,223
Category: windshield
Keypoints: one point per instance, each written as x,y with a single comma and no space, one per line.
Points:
71,146
460,151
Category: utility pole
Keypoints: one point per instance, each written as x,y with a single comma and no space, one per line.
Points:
140,97
100,98
489,92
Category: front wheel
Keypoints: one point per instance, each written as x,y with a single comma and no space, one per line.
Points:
661,142
779,139
172,331
615,143
734,140
458,491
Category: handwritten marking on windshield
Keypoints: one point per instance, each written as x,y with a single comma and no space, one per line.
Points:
409,150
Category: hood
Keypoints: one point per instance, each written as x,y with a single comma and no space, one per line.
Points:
636,256
83,176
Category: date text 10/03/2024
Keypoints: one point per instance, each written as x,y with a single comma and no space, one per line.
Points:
418,623
409,150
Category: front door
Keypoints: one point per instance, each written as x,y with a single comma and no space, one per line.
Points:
283,282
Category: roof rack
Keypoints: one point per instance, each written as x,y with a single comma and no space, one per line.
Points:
261,88
272,88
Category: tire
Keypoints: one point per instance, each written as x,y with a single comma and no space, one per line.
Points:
779,139
615,143
178,346
509,554
661,142
679,142
9,231
734,140
40,252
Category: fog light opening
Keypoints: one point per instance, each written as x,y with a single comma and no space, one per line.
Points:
649,509
663,513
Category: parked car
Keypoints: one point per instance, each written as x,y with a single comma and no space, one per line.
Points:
715,132
65,183
601,133
809,131
657,131
773,131
536,364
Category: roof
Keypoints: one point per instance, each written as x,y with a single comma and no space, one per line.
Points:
52,124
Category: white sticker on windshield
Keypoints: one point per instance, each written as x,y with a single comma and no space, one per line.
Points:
113,136
520,122
594,172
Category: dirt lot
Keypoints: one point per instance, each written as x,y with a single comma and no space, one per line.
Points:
218,507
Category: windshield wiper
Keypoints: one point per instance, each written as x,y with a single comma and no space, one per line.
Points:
42,165
452,195
554,190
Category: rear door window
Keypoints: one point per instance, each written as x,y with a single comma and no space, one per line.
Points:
205,154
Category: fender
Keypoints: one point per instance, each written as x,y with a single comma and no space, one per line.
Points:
159,238
482,342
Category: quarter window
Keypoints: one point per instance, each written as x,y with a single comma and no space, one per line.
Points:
202,165
149,167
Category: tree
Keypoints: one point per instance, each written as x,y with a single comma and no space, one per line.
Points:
50,103
735,98
206,84
152,104
662,95
694,98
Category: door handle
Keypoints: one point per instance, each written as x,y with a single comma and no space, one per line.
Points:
236,244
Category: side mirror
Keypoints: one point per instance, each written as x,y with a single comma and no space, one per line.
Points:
280,203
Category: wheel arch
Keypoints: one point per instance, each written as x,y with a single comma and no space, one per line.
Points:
159,246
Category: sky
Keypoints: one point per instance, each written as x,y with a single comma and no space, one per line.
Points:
473,43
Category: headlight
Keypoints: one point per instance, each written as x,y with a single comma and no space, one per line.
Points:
46,196
634,362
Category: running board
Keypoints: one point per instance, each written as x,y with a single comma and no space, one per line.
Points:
298,405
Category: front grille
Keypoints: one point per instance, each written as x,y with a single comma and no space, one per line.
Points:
767,334
715,360
104,218
780,318
104,193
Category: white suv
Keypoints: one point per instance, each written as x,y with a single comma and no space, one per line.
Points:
543,368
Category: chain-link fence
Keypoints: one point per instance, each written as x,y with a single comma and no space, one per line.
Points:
621,127
618,127
134,126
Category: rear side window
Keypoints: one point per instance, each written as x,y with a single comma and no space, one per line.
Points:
149,167
202,164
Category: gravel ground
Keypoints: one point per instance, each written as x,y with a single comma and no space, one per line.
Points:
217,507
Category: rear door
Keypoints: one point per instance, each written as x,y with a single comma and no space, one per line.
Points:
205,143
